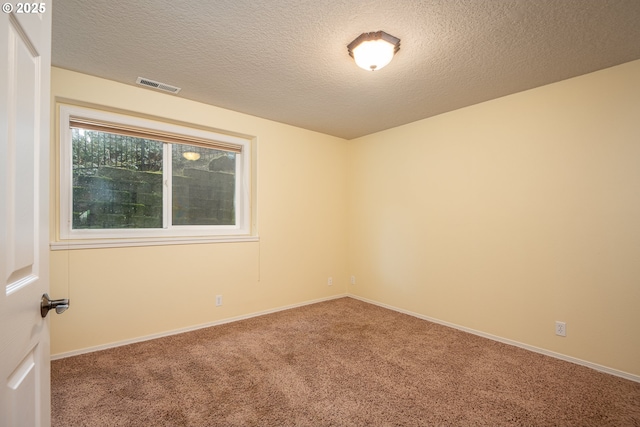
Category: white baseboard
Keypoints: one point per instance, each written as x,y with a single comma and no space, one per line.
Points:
189,328
560,356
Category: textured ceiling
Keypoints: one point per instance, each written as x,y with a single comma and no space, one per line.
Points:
286,60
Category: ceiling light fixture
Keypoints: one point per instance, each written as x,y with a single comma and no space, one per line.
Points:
372,51
190,155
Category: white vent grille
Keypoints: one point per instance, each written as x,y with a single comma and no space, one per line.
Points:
157,85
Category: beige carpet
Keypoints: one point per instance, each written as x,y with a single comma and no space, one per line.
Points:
336,363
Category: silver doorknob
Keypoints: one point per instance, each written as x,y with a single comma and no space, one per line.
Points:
60,305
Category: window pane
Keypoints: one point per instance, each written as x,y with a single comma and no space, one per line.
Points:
117,181
204,186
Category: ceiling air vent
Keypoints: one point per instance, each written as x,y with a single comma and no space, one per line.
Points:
157,85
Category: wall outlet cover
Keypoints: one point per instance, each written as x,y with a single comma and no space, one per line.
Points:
561,329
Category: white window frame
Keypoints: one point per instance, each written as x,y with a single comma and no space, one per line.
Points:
149,236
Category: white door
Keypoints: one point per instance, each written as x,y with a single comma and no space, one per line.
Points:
25,52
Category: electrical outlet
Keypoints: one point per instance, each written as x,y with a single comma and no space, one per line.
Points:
330,281
218,300
561,329
353,280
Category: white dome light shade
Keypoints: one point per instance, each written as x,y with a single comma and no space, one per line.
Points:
372,51
373,54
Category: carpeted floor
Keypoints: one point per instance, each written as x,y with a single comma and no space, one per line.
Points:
336,363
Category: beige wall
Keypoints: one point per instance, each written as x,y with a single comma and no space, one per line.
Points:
509,215
123,294
501,217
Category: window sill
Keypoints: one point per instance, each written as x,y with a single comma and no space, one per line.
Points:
124,243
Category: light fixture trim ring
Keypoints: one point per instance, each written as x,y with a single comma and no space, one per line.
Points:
375,35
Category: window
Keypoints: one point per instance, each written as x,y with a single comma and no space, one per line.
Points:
124,177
